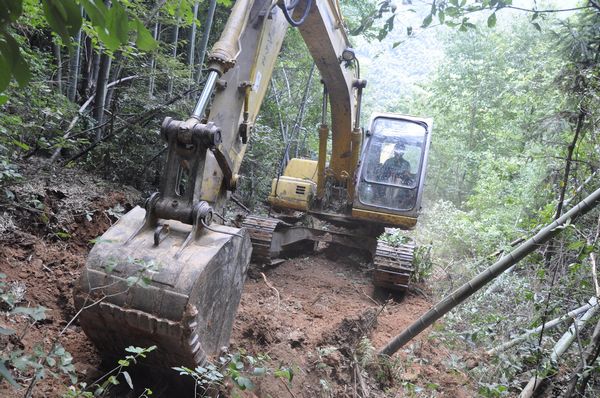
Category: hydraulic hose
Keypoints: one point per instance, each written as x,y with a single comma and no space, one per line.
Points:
289,9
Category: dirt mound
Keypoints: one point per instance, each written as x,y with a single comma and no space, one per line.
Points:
49,222
320,317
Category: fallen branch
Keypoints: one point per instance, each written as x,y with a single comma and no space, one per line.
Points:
593,259
466,290
134,121
548,325
287,388
79,113
557,351
361,380
366,295
584,372
272,288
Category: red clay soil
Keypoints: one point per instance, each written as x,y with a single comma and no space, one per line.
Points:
308,313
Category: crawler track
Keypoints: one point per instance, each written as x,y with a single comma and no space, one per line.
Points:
393,266
261,230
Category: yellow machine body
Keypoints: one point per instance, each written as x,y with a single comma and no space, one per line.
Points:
296,188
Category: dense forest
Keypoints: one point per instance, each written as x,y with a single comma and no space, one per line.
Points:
510,85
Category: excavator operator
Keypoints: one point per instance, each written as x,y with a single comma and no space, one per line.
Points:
396,169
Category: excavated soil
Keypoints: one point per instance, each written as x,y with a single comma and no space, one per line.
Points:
321,318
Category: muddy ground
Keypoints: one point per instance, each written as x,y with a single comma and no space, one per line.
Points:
319,317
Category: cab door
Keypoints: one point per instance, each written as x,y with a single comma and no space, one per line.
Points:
392,169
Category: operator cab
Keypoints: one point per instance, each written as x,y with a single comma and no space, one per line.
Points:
394,160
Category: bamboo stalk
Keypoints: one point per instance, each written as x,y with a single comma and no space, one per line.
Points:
583,373
466,290
558,350
548,325
79,113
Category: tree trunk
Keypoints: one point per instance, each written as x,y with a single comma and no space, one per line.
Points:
302,110
174,55
58,58
74,66
565,183
205,35
86,69
546,326
100,99
591,354
559,349
92,84
153,63
282,127
116,74
192,44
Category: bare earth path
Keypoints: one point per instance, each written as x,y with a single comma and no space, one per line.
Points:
310,313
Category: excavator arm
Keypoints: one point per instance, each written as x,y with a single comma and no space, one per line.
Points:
168,274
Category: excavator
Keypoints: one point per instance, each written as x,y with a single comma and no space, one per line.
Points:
171,273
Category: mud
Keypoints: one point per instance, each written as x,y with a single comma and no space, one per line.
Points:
321,318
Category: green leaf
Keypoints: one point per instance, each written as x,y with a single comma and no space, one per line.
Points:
5,373
144,40
21,145
537,26
451,11
4,66
427,21
63,16
128,379
118,24
576,245
259,371
491,21
244,383
63,235
286,373
96,11
442,17
6,332
35,313
12,58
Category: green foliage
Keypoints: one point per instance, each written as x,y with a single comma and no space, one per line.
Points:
103,386
238,367
56,361
112,25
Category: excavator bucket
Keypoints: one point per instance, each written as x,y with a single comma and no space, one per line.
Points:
134,292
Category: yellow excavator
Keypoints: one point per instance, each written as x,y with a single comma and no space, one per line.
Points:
171,274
